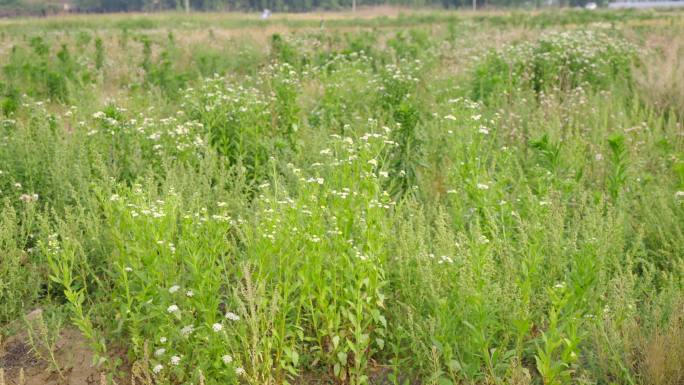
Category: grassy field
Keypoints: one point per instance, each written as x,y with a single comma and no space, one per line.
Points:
420,198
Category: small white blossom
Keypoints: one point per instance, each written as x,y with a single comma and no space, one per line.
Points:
232,316
158,368
445,259
227,359
28,198
174,289
159,352
482,186
187,330
239,371
217,327
172,309
175,360
162,340
189,293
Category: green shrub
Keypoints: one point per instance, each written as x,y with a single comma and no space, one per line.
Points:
238,120
556,61
38,74
21,275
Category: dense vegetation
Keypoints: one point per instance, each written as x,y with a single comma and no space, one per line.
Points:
434,199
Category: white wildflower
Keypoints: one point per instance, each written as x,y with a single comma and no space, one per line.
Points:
172,309
28,198
217,327
445,259
227,359
158,368
187,330
232,316
175,360
174,289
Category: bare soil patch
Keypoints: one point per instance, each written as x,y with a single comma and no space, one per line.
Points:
22,366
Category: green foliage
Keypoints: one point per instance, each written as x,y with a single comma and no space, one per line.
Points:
618,158
99,53
237,119
21,276
555,61
351,205
37,73
284,51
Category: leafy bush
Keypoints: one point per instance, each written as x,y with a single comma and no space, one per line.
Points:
238,120
556,61
21,277
39,74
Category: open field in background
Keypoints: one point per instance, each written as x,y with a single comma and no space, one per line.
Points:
423,198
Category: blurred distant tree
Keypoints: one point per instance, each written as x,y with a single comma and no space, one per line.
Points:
292,5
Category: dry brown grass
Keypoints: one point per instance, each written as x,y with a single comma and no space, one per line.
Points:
663,354
218,17
661,78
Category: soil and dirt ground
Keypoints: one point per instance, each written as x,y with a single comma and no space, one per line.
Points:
21,364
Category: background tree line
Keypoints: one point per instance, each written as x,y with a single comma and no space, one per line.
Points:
17,7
